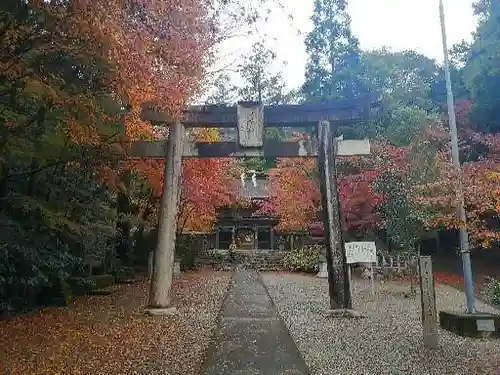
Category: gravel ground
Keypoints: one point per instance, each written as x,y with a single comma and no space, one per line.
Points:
387,341
111,335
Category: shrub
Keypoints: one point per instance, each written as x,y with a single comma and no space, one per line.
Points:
42,243
304,259
491,292
80,285
187,248
101,281
124,274
33,267
58,292
85,285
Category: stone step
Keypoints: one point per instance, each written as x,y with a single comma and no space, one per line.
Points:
252,259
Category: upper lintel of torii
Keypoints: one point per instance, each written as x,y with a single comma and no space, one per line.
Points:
250,119
289,115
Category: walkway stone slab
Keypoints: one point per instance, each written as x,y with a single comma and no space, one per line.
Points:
251,338
248,298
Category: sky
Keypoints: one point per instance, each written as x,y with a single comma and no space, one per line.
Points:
396,24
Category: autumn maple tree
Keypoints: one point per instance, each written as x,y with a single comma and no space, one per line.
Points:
293,194
74,76
208,184
479,181
419,181
295,197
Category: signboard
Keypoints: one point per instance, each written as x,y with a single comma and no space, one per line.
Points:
360,252
353,147
356,252
485,325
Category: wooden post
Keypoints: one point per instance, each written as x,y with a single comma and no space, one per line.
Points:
164,255
255,237
151,255
428,301
338,280
372,276
349,277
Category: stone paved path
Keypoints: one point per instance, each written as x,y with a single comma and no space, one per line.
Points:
251,338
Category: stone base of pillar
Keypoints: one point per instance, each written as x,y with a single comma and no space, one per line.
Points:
323,271
344,313
160,311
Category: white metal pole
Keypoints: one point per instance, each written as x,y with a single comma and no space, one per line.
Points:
464,237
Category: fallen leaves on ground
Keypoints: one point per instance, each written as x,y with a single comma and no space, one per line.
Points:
452,279
112,335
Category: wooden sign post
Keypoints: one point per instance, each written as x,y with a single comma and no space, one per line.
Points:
362,252
250,119
428,300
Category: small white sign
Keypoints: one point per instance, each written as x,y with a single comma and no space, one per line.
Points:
360,252
485,325
353,147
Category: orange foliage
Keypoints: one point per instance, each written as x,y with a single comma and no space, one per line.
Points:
481,198
430,182
207,184
157,51
295,196
147,51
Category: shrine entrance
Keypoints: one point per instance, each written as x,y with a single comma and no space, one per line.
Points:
224,238
250,120
245,239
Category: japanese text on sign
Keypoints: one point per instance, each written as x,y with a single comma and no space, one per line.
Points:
360,252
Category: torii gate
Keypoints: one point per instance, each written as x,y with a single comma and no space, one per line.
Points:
250,119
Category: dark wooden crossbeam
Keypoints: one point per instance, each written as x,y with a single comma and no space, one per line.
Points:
302,115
